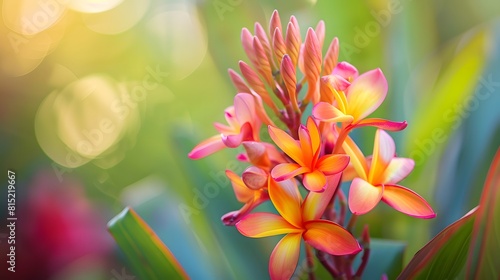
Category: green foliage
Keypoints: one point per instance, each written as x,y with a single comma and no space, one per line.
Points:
146,253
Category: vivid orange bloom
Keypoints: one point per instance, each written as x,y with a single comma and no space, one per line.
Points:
298,220
306,154
377,179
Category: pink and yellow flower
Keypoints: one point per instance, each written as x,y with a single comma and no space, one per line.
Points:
244,125
298,220
376,179
355,101
306,156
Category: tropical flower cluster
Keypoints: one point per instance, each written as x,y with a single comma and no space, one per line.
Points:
286,76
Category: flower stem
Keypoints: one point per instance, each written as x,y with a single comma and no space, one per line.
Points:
310,262
351,223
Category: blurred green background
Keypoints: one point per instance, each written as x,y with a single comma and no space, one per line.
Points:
102,100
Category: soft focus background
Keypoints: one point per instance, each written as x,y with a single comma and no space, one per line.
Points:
102,100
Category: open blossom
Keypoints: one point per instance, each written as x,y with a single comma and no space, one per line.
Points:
298,220
243,125
377,180
352,102
306,154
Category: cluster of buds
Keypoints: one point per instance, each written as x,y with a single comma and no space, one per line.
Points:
310,151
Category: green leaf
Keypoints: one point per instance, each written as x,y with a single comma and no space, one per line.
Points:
484,255
444,256
444,113
148,256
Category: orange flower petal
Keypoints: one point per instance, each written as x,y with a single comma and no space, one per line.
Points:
306,146
315,203
315,181
397,170
287,171
314,136
287,144
332,164
383,152
207,147
363,196
286,198
330,237
383,124
258,225
407,201
366,93
285,257
242,192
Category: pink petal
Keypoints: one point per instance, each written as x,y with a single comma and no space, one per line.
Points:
286,171
233,141
383,152
207,147
242,192
315,181
383,124
264,224
315,203
346,71
397,170
330,237
287,144
244,108
286,198
285,257
328,113
407,201
363,196
366,93
332,164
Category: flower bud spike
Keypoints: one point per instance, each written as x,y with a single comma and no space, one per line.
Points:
320,32
279,47
293,40
312,65
264,40
290,80
247,41
331,57
238,82
257,85
275,23
263,65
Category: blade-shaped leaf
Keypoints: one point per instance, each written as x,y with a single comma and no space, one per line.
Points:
147,254
444,256
484,255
